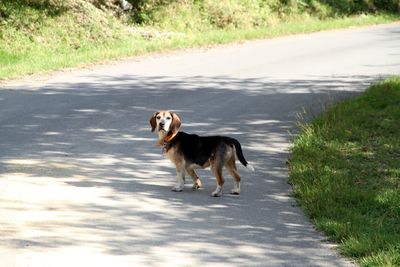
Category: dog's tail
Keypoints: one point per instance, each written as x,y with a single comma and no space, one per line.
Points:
239,154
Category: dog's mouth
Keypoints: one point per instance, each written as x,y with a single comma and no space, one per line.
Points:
161,129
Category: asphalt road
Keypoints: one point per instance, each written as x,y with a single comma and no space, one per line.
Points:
82,184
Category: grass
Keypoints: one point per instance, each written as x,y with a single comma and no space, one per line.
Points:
345,172
38,40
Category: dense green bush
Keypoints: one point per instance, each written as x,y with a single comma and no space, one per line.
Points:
102,18
249,13
31,22
349,6
203,14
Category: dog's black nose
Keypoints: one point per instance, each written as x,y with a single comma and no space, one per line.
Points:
161,124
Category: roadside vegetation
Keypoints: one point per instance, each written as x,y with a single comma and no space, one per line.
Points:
43,35
345,172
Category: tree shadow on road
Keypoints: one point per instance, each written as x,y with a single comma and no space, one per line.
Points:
82,172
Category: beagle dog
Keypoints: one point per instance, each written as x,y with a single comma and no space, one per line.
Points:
190,151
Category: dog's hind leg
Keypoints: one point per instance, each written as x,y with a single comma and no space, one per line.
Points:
195,178
231,166
217,170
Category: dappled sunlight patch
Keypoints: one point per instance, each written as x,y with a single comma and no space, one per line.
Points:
102,160
262,122
33,189
40,210
28,162
267,149
96,130
52,133
121,139
87,111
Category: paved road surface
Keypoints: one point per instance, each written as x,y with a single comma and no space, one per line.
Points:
81,183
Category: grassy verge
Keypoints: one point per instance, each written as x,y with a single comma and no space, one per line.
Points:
35,40
345,172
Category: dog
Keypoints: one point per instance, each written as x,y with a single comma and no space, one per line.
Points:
190,151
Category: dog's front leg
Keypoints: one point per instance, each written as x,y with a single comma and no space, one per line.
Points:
180,175
195,178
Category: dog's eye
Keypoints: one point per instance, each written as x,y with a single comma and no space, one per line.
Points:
158,117
168,118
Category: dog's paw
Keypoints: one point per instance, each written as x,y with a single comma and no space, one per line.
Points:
177,189
217,192
197,184
235,192
196,187
236,188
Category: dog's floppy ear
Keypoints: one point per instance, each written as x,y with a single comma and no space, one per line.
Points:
175,124
153,121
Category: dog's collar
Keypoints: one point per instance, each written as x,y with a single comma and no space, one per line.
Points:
167,141
171,135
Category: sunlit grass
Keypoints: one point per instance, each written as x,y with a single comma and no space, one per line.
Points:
345,171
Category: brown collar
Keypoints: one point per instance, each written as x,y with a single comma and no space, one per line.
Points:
169,136
164,142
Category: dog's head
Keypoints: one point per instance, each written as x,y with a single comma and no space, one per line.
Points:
165,122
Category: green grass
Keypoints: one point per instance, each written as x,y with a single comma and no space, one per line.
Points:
345,172
37,38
